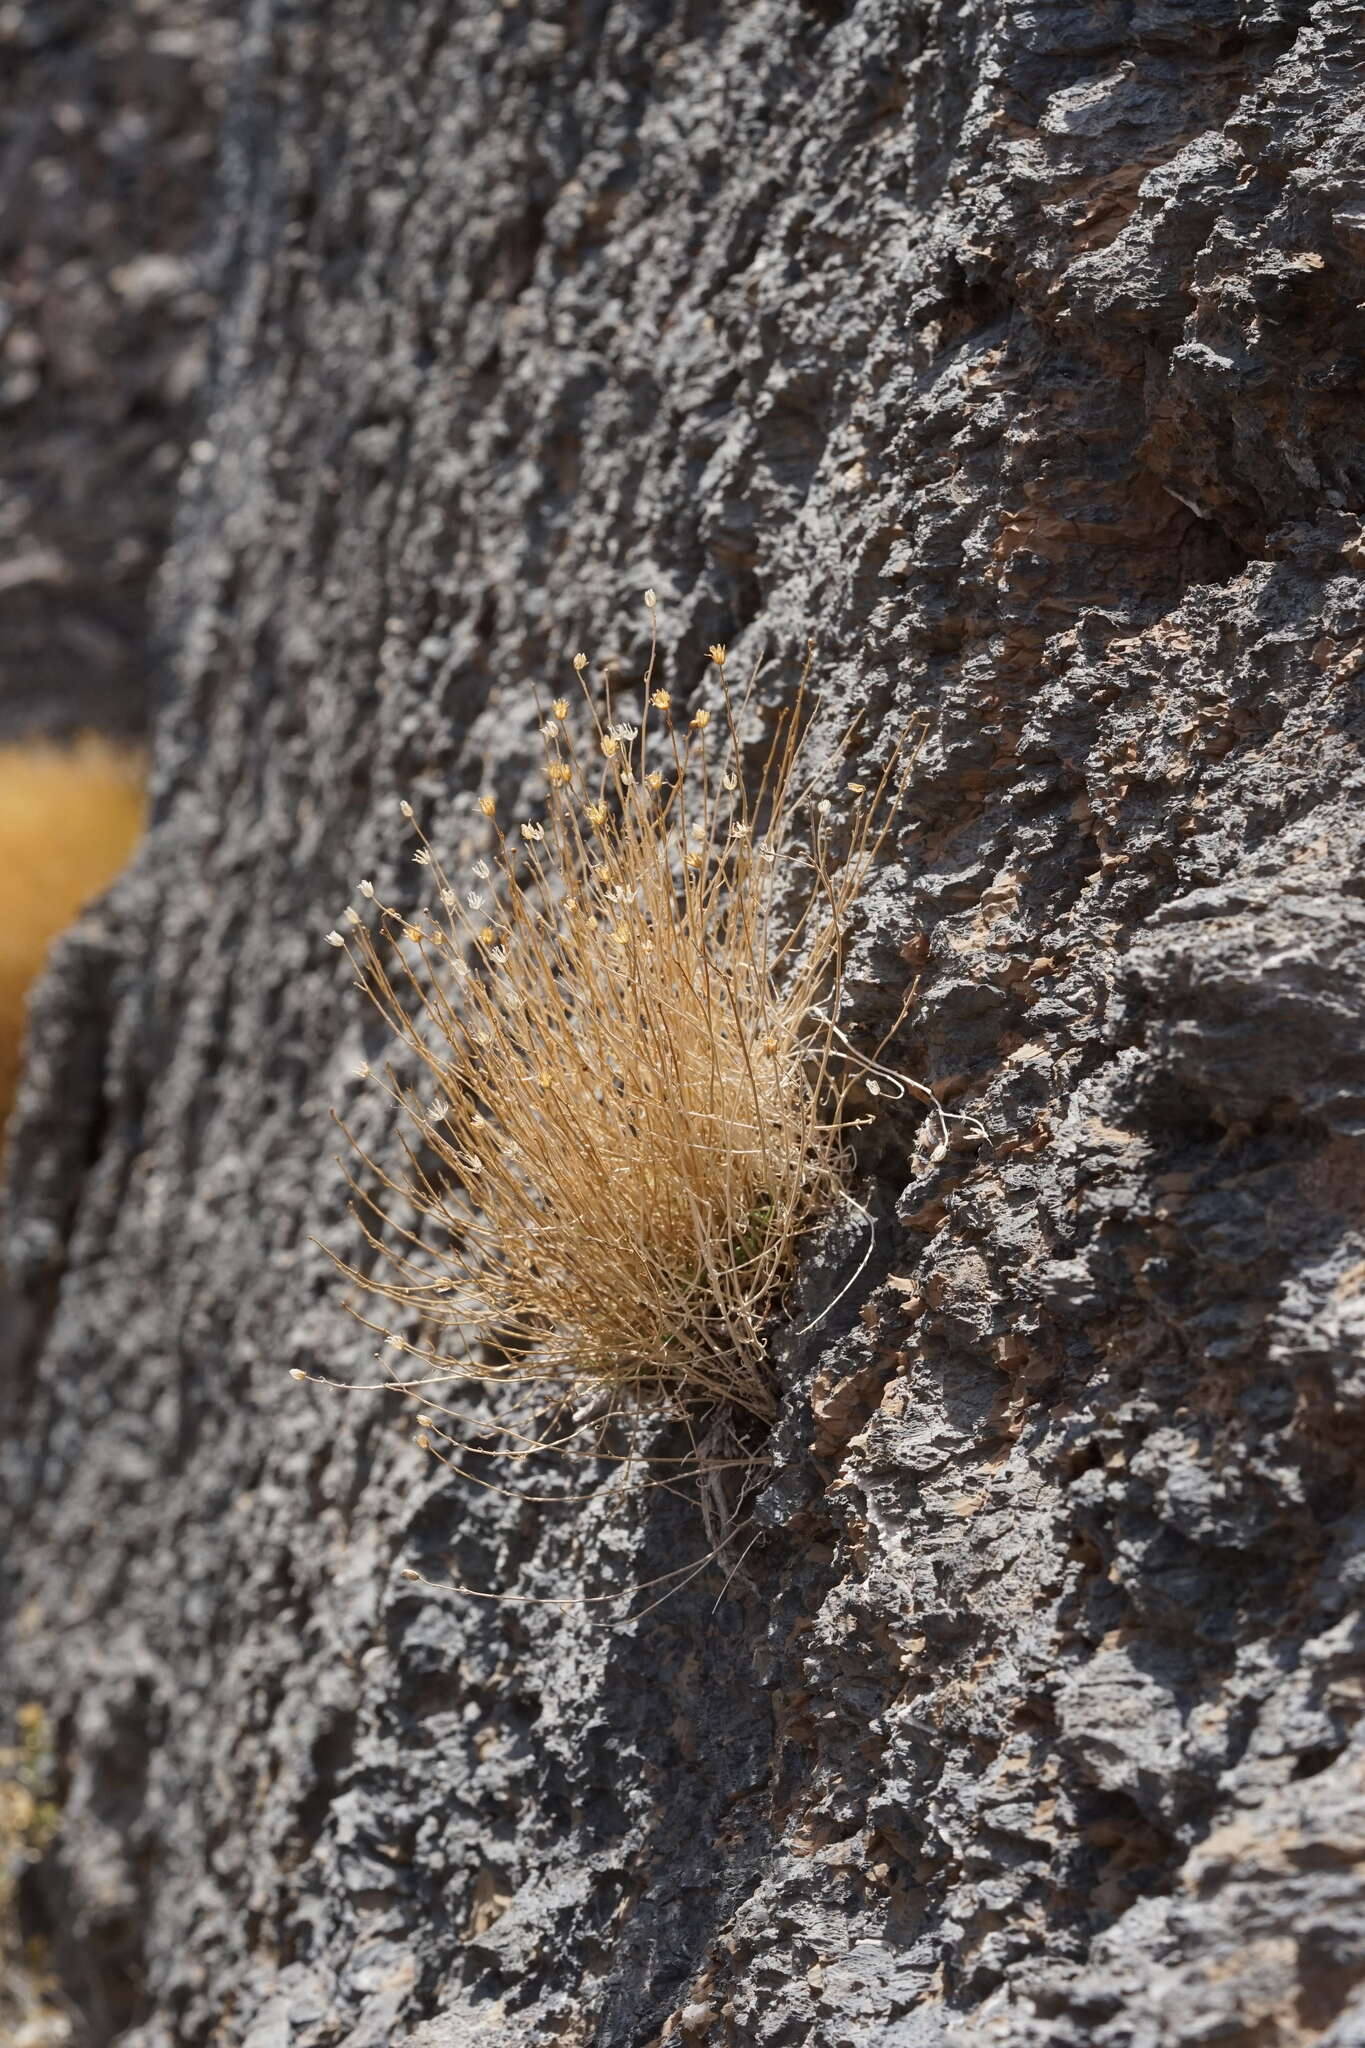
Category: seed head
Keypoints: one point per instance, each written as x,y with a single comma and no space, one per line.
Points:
661,700
650,599
405,807
334,938
717,654
488,805
700,720
366,889
532,833
558,774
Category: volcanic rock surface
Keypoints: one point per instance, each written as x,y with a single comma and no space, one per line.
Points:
109,120
1014,354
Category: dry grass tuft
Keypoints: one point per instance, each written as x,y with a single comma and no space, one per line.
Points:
632,1093
69,818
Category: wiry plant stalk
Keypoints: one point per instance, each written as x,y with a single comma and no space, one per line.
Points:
632,1092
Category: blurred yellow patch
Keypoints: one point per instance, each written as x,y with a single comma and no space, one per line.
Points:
69,818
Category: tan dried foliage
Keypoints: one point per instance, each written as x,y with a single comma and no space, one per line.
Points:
624,1090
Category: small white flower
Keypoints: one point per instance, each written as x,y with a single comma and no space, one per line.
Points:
366,889
482,870
473,899
422,857
405,807
335,939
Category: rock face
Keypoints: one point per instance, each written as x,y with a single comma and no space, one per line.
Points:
108,132
1013,353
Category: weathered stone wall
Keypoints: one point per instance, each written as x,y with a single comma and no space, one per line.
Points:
1012,351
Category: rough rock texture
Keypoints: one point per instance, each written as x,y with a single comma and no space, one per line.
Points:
108,134
1013,351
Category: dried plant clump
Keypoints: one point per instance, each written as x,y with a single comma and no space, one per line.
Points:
69,818
632,1092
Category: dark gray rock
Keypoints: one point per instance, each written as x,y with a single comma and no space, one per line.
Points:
1013,353
108,135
